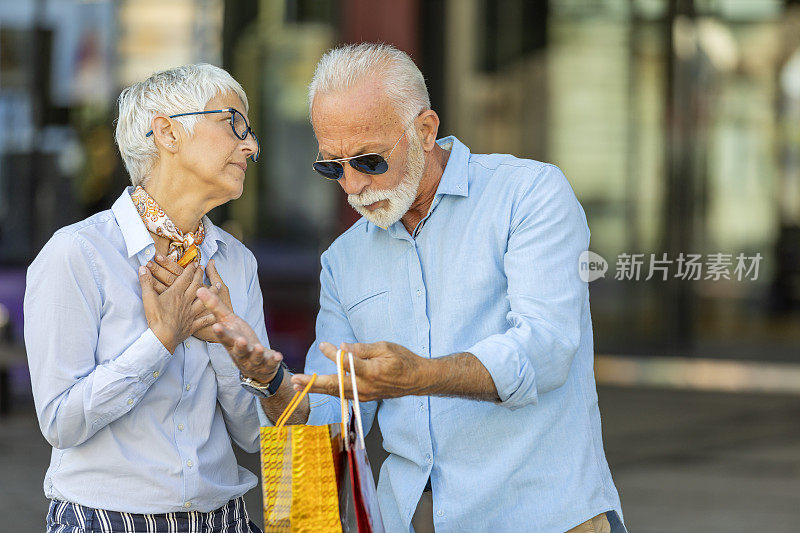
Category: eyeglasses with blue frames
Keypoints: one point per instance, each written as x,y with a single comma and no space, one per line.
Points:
372,163
239,126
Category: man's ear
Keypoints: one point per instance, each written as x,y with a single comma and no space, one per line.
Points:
164,133
428,126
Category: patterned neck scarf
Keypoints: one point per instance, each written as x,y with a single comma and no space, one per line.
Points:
183,247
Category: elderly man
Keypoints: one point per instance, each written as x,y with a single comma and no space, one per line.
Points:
458,292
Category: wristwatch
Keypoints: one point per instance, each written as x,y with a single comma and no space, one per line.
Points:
261,390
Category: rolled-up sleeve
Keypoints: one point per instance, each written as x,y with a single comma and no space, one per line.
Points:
547,234
74,396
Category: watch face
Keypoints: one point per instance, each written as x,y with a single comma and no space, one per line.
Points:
255,390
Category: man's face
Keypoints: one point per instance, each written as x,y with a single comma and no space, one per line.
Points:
360,121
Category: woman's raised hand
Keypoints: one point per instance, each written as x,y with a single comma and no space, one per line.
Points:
166,271
174,313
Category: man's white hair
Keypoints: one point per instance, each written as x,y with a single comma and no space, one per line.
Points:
178,90
344,67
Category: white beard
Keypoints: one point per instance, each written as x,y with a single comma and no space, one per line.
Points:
401,197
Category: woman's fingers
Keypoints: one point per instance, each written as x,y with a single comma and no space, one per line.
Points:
186,278
161,274
169,265
159,287
213,274
197,282
198,310
203,322
149,294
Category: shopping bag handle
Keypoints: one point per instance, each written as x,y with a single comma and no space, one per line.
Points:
356,403
293,405
342,402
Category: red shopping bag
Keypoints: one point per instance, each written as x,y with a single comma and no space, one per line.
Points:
365,497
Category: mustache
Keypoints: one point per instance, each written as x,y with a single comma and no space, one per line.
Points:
368,197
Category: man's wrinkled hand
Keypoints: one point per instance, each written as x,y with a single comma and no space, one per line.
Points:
248,354
383,370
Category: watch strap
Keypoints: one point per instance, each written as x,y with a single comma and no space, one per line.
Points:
275,384
261,389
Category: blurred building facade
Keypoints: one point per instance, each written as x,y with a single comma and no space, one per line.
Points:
677,123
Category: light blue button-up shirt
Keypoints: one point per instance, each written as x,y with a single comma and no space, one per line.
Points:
493,271
133,428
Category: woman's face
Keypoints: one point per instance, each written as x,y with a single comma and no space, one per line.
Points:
213,155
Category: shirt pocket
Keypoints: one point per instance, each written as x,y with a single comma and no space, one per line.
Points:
370,317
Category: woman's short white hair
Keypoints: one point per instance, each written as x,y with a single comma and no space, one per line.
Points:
343,67
177,90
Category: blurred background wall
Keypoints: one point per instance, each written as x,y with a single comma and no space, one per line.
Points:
677,123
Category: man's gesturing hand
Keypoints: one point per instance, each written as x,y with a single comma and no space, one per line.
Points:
383,370
253,359
173,314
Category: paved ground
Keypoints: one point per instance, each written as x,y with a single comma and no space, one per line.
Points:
683,461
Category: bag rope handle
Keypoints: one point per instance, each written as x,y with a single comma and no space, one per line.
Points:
356,403
342,401
298,397
345,403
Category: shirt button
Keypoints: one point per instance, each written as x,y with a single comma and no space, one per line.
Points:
439,513
156,374
180,427
187,504
186,344
189,463
148,253
419,292
421,407
188,386
428,458
130,401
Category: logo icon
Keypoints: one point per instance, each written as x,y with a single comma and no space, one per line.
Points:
591,266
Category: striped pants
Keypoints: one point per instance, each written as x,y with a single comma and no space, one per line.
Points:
66,517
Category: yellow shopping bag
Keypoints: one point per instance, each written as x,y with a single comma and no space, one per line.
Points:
304,471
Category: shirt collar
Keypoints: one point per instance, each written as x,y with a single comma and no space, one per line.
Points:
213,241
137,238
135,234
454,180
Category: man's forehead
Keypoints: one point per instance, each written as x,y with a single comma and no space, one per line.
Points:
344,124
364,104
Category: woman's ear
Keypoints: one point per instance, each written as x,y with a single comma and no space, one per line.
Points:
428,126
164,133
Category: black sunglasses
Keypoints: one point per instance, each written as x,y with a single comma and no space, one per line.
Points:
239,126
372,163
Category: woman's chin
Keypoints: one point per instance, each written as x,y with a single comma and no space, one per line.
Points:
234,187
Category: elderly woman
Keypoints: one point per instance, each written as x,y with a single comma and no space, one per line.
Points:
131,389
